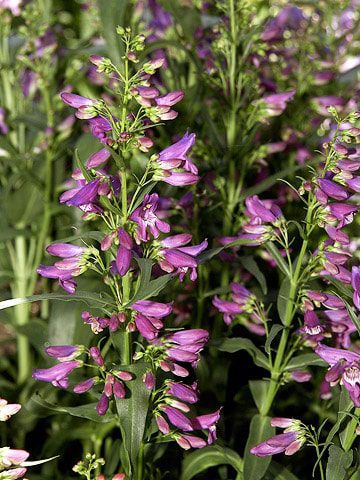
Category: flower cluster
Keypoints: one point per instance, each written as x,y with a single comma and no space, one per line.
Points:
289,442
135,243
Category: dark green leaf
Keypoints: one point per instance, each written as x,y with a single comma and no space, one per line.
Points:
344,289
260,430
259,390
279,472
87,297
199,461
232,345
132,412
275,329
283,298
305,360
274,252
78,162
87,411
251,266
338,463
149,288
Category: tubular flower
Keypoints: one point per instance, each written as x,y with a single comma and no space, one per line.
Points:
74,262
58,374
7,410
344,368
166,165
275,103
148,315
288,442
174,256
241,305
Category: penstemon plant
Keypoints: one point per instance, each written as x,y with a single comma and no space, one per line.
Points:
190,183
137,364
321,258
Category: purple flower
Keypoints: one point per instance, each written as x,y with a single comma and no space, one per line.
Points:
84,386
14,473
14,7
344,367
178,419
189,441
175,256
207,422
187,393
289,442
124,253
262,210
4,129
85,106
162,424
96,356
152,309
276,102
146,218
10,457
57,373
98,158
149,380
84,195
103,405
64,352
332,189
228,308
285,442
355,282
7,410
73,264
170,99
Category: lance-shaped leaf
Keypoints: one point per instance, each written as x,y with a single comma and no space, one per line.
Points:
260,430
232,345
200,460
132,412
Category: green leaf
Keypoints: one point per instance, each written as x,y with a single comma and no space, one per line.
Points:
112,14
260,430
212,252
259,389
305,360
355,319
338,463
279,472
132,413
274,252
283,298
212,456
344,289
232,345
86,174
345,406
91,299
251,266
149,288
275,329
87,411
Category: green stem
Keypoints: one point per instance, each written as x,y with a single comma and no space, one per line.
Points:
21,311
321,469
290,311
139,474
